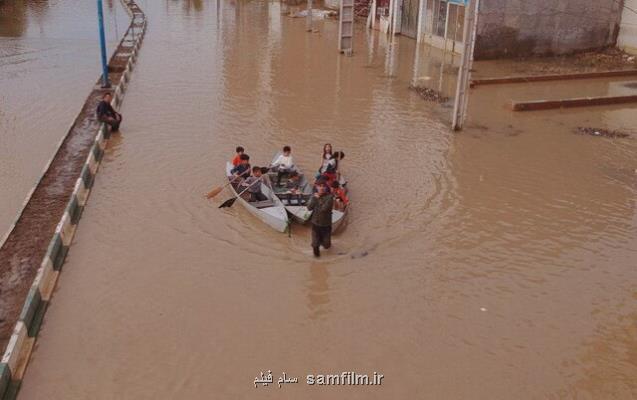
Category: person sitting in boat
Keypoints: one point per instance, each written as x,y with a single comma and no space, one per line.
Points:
321,204
253,184
327,150
327,160
338,156
340,196
243,168
293,186
284,164
328,169
237,158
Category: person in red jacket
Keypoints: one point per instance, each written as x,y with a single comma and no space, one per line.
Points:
237,158
340,196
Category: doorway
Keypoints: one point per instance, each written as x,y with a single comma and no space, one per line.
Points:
409,18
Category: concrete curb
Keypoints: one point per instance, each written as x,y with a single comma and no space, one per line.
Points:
18,352
570,103
553,77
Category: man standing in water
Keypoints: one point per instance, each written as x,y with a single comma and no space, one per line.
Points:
106,113
321,203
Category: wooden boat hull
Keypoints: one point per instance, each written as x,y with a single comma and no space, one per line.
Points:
274,216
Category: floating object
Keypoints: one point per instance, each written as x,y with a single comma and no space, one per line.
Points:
316,14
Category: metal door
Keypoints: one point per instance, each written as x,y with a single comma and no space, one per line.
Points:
409,18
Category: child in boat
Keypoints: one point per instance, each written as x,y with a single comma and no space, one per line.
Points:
328,169
327,161
253,184
327,149
340,196
237,158
243,168
293,186
338,156
284,164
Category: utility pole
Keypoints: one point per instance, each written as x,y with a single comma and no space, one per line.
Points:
100,16
464,75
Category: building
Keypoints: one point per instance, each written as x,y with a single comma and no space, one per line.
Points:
509,28
627,39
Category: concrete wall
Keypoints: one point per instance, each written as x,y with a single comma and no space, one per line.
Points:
628,30
520,28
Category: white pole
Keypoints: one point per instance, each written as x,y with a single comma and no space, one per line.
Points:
462,91
308,20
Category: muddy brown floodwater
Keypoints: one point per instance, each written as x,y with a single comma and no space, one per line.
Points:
49,61
496,263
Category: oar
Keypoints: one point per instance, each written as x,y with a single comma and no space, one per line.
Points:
230,202
214,192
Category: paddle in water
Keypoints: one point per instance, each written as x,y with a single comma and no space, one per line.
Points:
214,192
230,202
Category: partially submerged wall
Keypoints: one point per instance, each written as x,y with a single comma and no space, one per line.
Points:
522,28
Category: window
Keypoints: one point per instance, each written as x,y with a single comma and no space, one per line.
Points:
456,22
440,17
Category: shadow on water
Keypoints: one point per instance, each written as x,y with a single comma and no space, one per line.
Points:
318,298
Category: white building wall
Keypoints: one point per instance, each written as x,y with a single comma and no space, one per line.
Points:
627,39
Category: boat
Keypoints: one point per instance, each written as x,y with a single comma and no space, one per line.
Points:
299,212
271,212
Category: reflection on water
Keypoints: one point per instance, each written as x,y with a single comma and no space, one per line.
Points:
494,263
318,291
191,5
16,14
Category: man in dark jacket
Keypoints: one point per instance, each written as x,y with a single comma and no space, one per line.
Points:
106,113
321,204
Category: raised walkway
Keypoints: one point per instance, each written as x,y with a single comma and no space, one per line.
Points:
33,250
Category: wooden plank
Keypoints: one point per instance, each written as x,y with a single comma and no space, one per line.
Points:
569,103
557,77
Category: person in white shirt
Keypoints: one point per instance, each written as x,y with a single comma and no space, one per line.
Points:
284,164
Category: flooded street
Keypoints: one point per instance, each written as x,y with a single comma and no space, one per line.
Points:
48,65
494,263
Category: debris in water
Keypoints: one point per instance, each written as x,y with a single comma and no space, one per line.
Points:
429,94
601,132
483,309
315,14
360,254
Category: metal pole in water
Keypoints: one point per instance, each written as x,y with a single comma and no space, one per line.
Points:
308,21
462,90
100,17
